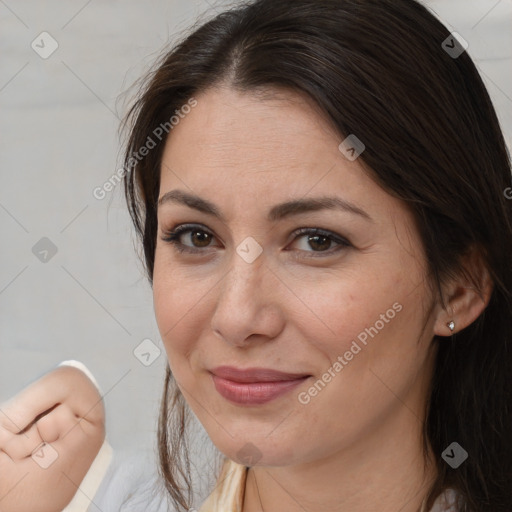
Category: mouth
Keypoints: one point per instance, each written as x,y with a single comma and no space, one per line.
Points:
254,386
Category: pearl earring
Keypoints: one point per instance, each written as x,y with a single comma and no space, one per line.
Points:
451,325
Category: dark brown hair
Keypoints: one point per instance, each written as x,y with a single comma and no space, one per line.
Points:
377,69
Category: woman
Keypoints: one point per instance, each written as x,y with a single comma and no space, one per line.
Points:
319,191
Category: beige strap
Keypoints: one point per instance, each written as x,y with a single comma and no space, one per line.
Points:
228,495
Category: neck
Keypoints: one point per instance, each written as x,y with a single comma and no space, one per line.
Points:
369,475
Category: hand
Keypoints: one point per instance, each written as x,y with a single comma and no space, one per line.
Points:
65,411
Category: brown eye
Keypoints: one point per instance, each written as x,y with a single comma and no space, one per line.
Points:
320,241
199,238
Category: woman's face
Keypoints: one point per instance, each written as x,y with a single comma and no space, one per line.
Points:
345,309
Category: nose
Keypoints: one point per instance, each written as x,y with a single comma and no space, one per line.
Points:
248,303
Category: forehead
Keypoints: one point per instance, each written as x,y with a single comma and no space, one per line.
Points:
243,128
244,149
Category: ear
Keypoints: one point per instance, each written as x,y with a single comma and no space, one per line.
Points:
466,297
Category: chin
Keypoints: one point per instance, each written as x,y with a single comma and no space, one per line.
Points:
258,449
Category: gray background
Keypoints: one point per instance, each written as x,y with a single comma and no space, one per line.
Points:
59,140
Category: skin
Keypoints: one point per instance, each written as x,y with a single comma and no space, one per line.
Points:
356,445
74,428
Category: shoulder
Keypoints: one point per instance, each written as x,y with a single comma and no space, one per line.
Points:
131,484
446,502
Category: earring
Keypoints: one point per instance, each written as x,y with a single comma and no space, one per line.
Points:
451,325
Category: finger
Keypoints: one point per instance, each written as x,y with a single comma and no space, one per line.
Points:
57,424
7,424
46,393
37,398
22,445
5,436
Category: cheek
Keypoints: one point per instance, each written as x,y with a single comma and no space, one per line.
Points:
164,297
372,361
376,355
174,304
339,308
184,296
371,319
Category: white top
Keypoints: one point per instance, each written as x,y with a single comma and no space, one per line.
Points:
130,485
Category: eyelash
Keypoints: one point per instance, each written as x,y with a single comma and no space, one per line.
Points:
173,237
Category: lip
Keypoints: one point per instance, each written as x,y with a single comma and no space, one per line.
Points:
254,386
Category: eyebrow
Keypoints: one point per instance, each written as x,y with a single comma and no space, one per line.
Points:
277,212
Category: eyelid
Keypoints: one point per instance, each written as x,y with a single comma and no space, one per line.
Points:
180,229
172,236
